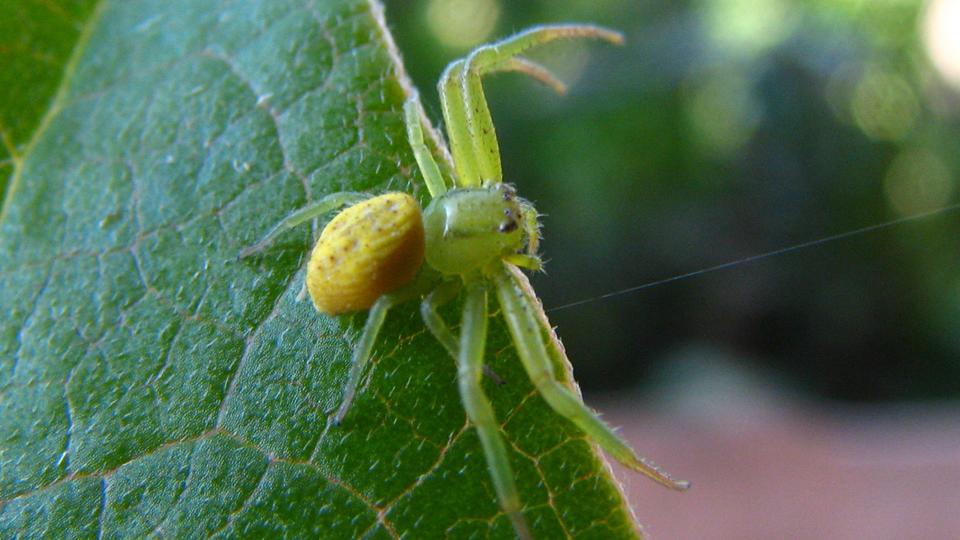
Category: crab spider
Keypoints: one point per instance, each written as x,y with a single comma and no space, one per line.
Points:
473,235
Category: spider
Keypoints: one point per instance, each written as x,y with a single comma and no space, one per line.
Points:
474,235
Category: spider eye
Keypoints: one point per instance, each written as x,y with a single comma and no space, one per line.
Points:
510,224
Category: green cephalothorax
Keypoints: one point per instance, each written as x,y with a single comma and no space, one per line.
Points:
468,228
476,234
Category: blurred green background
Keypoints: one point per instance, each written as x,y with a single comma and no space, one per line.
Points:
724,129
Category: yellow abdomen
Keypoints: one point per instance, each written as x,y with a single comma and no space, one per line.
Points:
366,251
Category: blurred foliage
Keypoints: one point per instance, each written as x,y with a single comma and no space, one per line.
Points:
722,130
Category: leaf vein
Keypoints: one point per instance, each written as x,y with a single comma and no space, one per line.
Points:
55,106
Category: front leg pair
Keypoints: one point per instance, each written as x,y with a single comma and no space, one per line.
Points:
473,140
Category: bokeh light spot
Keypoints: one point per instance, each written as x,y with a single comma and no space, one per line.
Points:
462,23
918,181
884,105
722,114
941,38
748,26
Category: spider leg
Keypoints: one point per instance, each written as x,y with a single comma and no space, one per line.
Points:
302,295
533,70
554,347
531,226
428,311
528,339
424,282
460,132
530,262
493,57
315,209
452,103
473,339
477,118
428,166
363,350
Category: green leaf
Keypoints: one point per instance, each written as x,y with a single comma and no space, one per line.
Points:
151,384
